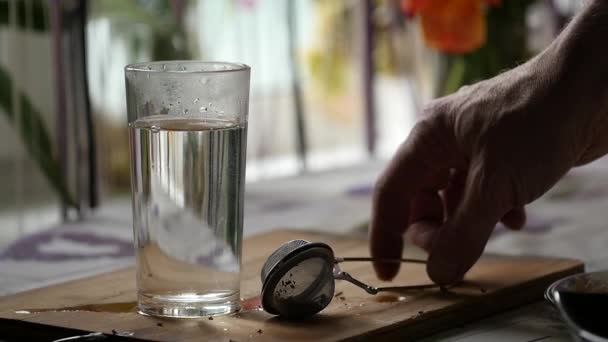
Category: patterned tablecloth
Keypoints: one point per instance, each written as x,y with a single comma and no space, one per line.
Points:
569,221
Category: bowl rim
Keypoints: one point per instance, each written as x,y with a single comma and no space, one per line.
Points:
552,295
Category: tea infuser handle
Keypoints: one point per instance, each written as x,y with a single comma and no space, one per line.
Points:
406,288
408,260
341,275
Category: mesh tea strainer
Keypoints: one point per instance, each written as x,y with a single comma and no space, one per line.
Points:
298,279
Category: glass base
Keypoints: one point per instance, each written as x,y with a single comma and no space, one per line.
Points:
188,305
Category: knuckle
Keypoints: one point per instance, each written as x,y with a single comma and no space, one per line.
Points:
382,189
439,106
436,118
432,136
425,129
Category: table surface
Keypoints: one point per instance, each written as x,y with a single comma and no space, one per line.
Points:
106,303
569,221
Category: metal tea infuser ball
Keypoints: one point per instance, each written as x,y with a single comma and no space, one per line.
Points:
298,279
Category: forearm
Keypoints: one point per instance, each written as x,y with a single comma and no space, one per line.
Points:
577,64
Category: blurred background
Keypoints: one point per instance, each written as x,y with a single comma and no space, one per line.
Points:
336,85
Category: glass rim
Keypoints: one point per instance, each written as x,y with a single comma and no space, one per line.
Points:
143,67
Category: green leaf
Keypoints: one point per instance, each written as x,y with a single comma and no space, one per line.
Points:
455,77
35,137
505,47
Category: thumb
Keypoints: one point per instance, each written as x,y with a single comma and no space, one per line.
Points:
462,238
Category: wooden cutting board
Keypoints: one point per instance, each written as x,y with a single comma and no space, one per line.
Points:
105,303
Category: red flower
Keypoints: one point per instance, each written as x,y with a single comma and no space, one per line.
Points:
452,26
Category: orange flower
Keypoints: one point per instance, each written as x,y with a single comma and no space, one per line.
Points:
452,26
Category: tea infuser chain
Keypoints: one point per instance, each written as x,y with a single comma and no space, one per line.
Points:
341,275
385,260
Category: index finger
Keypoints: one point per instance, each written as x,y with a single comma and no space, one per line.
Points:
398,184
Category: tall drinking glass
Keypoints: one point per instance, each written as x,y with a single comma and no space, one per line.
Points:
187,135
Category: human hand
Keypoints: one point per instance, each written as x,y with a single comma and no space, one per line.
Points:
477,157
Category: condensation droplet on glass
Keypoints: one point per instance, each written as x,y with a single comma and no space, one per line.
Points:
149,67
210,104
164,67
183,68
154,129
203,109
196,100
185,111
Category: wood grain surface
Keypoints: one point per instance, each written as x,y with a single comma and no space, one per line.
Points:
106,303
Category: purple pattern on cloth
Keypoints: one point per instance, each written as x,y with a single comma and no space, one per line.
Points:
360,190
534,225
280,205
29,247
588,194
